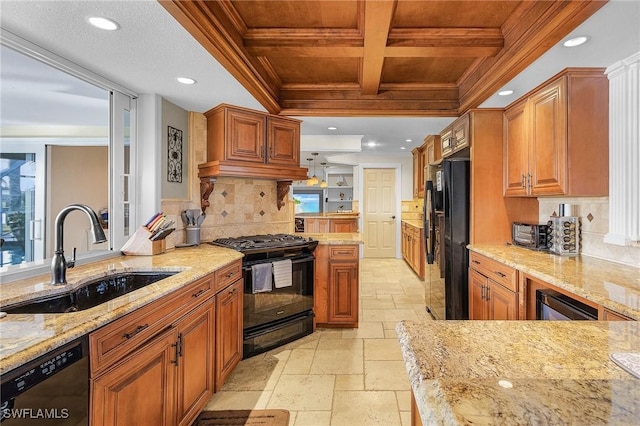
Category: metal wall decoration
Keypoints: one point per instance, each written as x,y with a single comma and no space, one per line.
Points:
174,155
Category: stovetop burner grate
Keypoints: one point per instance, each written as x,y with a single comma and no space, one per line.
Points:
262,241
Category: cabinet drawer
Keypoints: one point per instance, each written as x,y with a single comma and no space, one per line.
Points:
495,271
115,340
343,252
227,275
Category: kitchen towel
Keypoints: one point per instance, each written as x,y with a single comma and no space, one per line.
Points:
261,278
282,273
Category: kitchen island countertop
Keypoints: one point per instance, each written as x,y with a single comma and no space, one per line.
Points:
24,337
521,372
328,215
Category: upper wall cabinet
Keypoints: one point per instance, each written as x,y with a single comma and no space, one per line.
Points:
456,136
239,134
247,143
556,137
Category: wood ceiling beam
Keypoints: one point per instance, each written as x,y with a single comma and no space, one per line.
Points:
529,32
377,24
370,108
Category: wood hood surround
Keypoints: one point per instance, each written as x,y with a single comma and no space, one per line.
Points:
377,57
246,143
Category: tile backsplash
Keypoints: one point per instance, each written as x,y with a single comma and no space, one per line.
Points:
594,217
412,209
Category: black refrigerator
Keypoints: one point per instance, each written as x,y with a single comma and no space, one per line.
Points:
447,287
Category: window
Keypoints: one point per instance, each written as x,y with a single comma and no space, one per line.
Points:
67,137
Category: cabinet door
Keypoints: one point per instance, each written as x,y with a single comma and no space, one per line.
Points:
460,132
477,288
343,292
343,225
502,303
245,136
228,331
283,142
516,150
447,142
141,389
323,225
196,334
548,143
417,157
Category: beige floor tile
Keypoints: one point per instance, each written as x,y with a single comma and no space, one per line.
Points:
303,393
378,304
390,334
361,408
299,361
405,416
340,344
389,325
385,375
257,373
238,400
365,330
337,362
292,417
313,418
404,400
389,315
349,382
382,350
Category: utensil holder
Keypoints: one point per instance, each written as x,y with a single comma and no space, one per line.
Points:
193,235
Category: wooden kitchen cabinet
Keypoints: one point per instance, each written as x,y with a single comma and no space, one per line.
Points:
413,245
140,390
343,225
195,379
228,331
455,136
493,289
336,285
556,137
316,225
240,134
418,172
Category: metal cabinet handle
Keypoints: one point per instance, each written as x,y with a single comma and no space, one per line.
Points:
488,290
475,261
482,292
500,274
529,175
178,351
136,331
522,182
202,290
233,291
230,274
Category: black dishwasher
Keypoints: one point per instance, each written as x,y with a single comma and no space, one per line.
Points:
553,305
50,390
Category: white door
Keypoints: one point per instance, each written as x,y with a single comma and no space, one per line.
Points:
379,212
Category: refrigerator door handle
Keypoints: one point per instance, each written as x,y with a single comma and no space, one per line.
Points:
430,222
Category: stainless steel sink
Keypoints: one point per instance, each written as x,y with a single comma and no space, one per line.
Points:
90,294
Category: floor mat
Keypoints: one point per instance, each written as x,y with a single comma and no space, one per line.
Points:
243,417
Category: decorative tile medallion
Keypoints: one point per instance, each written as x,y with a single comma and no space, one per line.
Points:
262,213
590,217
224,213
262,194
224,193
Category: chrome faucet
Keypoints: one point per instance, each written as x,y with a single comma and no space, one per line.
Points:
59,264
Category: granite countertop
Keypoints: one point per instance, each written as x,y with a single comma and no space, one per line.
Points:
612,285
521,372
334,238
24,337
329,215
414,222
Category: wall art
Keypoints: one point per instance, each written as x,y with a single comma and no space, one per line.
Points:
174,155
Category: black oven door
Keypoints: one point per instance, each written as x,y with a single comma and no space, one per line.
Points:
280,303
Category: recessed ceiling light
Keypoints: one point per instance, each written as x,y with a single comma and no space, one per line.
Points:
575,41
186,80
402,147
505,93
103,23
371,143
408,140
332,128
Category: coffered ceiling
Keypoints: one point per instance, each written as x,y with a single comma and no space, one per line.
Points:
376,57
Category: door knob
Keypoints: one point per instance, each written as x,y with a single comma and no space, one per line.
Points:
393,217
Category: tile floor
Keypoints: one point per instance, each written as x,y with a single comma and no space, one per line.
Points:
350,377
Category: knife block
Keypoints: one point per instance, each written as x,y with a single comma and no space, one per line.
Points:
139,244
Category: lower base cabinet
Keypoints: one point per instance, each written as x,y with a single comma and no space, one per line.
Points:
336,285
413,244
159,365
228,331
489,300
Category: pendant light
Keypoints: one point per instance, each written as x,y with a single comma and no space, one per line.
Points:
309,180
323,184
314,178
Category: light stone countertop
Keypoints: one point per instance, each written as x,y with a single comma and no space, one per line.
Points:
521,372
334,238
414,222
328,215
612,285
24,337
